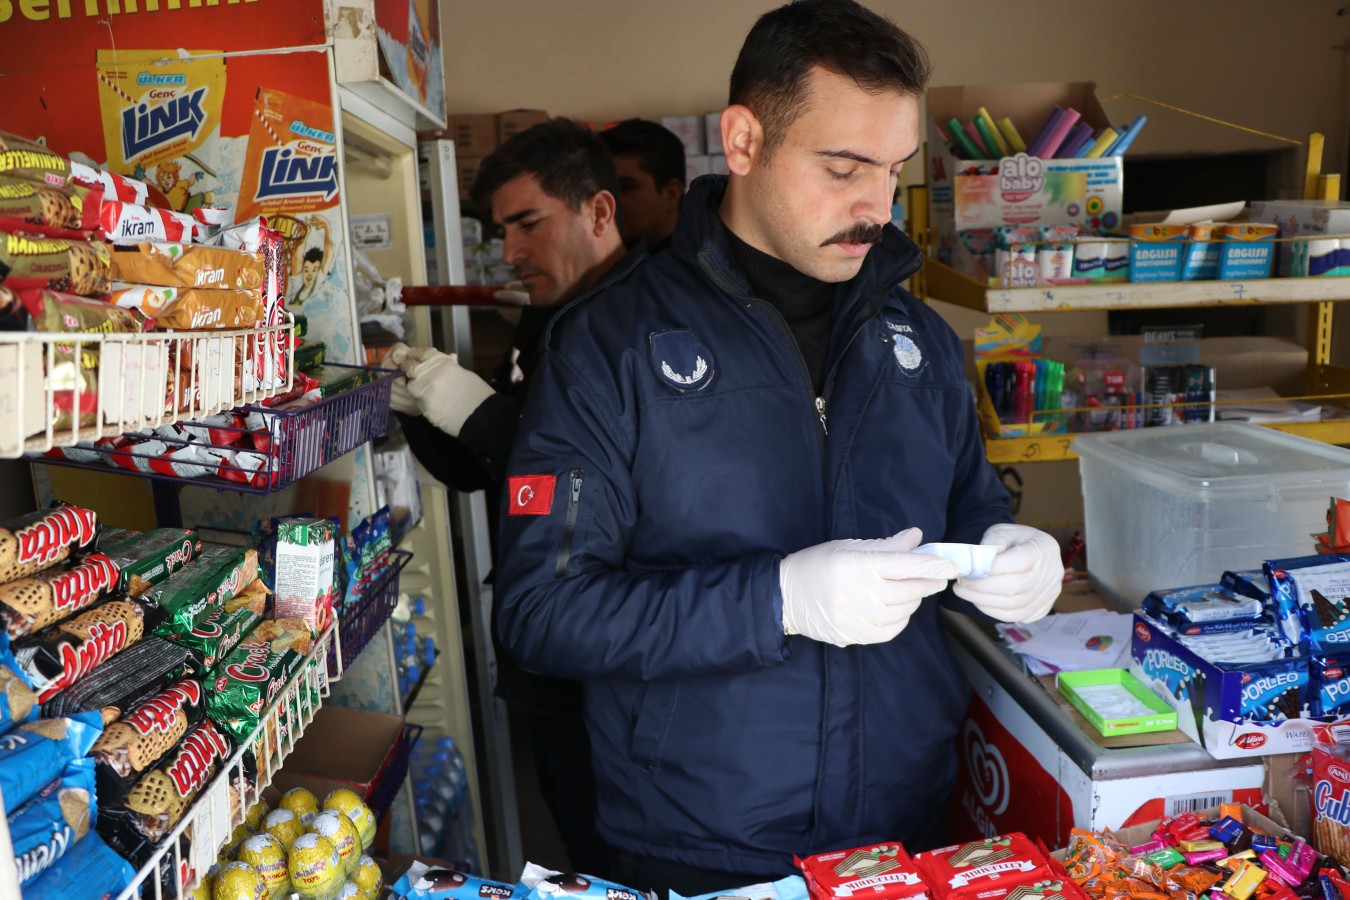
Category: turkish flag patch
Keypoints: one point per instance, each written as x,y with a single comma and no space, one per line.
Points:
531,495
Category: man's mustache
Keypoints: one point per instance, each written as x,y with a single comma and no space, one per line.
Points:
857,234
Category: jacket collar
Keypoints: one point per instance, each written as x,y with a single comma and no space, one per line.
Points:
701,237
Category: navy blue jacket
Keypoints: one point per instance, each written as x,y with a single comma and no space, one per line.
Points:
674,415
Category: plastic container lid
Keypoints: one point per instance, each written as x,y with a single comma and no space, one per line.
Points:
1216,456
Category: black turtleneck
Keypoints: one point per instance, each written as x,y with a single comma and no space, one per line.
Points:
805,303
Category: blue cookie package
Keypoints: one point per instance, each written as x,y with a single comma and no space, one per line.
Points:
33,755
60,815
90,870
1311,595
791,888
539,883
18,700
424,882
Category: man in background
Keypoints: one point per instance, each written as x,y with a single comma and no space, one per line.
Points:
551,190
649,160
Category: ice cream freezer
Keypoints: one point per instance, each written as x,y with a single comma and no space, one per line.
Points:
1027,761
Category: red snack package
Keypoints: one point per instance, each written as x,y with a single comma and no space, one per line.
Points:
883,872
990,869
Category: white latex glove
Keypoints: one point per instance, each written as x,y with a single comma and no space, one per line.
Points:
1025,578
443,390
858,592
401,399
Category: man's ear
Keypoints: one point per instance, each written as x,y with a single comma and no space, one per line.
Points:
604,208
673,193
742,138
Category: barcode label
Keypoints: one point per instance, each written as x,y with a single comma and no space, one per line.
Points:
1196,802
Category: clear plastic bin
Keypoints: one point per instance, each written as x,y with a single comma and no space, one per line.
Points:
1171,507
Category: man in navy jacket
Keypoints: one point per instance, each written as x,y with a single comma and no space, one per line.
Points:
725,461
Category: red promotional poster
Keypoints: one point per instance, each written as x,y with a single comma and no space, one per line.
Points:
409,33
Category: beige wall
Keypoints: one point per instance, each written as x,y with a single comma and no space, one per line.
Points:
1274,66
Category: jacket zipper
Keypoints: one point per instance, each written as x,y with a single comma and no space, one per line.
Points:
818,403
573,506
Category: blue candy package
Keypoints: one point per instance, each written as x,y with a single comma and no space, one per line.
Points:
791,888
53,820
88,871
424,882
1249,583
539,883
1311,595
18,700
33,755
1276,690
1329,686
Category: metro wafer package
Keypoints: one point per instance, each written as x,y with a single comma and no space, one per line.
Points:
79,267
141,738
990,869
44,598
40,539
883,871
126,224
124,681
58,657
201,588
146,559
34,754
188,266
59,815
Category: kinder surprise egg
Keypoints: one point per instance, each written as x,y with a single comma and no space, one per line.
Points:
203,889
301,802
253,818
238,881
314,865
350,890
346,801
340,830
268,858
283,825
368,876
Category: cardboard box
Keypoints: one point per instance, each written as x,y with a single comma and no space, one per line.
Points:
466,170
1134,835
1297,218
369,741
1208,699
474,135
514,121
1021,190
689,129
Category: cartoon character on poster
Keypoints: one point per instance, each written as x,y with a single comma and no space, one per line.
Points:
291,177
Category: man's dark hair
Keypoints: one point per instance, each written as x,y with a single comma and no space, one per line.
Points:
840,36
659,151
313,254
571,163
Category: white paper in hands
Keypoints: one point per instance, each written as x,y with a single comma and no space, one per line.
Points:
972,560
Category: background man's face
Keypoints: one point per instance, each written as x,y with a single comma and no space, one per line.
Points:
549,244
820,200
644,209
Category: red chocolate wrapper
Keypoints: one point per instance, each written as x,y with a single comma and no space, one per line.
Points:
40,539
880,872
45,598
60,656
145,735
988,870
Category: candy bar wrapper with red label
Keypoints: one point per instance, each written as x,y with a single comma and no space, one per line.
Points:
202,588
89,870
58,816
881,871
246,236
34,754
130,223
146,559
37,540
58,657
988,870
137,742
249,679
220,430
216,635
266,367
157,802
18,700
124,681
115,187
32,603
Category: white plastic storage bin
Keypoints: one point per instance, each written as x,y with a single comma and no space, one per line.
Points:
1171,507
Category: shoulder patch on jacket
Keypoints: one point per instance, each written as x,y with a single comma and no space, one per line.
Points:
905,344
531,495
681,360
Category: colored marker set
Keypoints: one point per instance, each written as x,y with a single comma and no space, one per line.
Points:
1063,135
1023,390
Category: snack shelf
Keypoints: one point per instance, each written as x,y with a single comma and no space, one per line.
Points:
356,629
942,282
191,848
140,380
273,450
